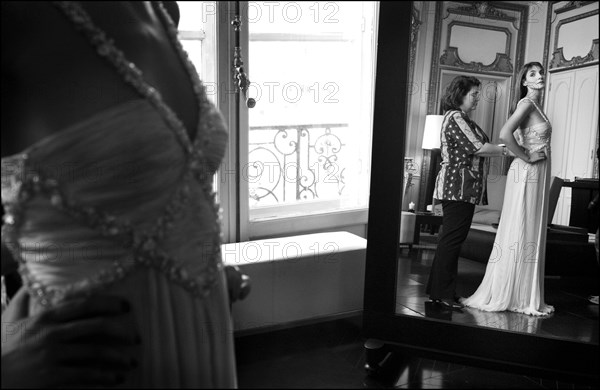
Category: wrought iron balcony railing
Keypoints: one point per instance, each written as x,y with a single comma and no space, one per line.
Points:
292,163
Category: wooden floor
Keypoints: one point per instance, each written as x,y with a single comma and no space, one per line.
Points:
331,354
574,319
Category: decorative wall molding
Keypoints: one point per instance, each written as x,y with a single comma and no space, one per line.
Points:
570,20
501,64
550,20
504,64
434,76
481,27
415,23
558,59
548,30
482,9
571,5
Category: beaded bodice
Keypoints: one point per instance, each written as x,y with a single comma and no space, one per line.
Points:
122,190
538,136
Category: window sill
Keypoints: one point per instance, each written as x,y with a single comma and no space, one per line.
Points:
273,227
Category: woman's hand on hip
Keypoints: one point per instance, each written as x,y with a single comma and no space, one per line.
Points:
536,156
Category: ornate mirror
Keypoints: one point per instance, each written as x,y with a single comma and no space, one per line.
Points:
397,316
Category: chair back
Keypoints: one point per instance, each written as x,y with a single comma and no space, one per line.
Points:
556,184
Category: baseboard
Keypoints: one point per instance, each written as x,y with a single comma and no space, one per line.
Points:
295,324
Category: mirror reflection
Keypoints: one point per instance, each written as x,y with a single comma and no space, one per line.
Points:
502,232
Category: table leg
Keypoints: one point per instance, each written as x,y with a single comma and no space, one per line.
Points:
417,235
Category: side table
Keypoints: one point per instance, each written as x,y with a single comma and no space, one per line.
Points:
425,218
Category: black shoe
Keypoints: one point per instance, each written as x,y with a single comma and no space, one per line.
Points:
448,303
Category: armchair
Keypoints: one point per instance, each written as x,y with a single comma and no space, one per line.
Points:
568,250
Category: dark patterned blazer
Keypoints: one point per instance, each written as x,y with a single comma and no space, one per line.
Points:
463,175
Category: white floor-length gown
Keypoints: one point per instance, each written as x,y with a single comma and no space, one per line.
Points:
122,203
514,277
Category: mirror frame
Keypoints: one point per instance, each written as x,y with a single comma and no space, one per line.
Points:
498,68
472,345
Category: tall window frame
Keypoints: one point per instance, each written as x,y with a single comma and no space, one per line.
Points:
232,188
330,214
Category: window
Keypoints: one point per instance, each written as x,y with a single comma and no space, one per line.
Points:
312,76
197,34
304,149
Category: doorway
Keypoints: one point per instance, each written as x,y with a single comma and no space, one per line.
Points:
572,108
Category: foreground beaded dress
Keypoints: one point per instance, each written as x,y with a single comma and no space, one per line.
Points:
514,277
122,203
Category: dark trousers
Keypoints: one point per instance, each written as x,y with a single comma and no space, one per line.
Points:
455,228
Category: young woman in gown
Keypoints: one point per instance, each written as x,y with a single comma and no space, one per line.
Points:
514,277
109,145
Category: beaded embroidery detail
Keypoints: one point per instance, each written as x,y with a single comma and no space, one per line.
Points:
542,136
20,183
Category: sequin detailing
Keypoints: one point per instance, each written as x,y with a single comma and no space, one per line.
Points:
21,183
541,136
538,136
12,171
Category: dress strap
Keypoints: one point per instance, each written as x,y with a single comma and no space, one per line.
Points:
536,106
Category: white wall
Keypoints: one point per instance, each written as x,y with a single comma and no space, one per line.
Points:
536,31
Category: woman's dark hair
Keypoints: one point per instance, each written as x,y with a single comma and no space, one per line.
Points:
456,92
520,89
